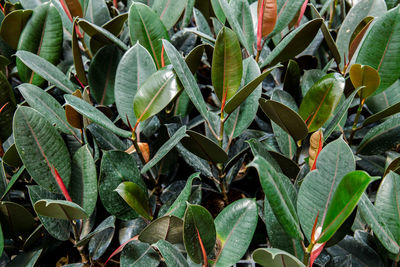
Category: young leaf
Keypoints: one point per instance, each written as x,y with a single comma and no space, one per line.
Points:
344,200
278,197
267,11
41,147
135,197
235,226
199,234
59,209
226,72
321,100
156,93
364,76
169,228
316,142
43,35
146,27
289,120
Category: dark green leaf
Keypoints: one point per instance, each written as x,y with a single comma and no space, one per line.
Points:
94,114
136,253
108,223
393,109
59,209
344,200
168,11
40,148
235,226
204,147
278,196
169,228
287,11
15,220
12,158
106,139
294,43
96,11
172,256
99,243
135,197
288,166
198,222
6,115
42,35
12,26
289,120
102,72
321,100
146,28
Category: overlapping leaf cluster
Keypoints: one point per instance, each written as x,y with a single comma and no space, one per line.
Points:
199,133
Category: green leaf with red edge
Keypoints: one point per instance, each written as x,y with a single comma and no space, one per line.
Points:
235,226
73,7
199,233
358,35
12,26
135,197
321,100
226,71
156,93
344,201
42,35
40,147
381,48
146,27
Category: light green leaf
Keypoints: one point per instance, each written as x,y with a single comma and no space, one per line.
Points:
169,11
172,256
272,257
59,209
169,228
135,197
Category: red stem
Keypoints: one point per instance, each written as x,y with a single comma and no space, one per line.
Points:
259,26
61,184
115,4
1,109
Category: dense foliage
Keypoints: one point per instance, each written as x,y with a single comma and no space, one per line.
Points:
199,133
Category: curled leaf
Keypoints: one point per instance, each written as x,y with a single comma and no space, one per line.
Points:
316,142
144,148
267,16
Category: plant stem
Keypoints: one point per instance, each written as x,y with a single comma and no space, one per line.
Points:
81,249
354,129
307,254
258,55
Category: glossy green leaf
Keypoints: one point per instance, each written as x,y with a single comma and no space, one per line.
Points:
6,115
235,226
42,35
11,157
169,228
165,148
316,191
186,78
242,117
108,223
136,253
387,203
12,181
59,209
136,60
286,143
288,119
364,76
226,71
272,257
172,256
106,139
40,148
287,10
135,197
343,202
293,44
46,70
198,222
102,72
278,196
179,206
96,11
1,240
394,109
381,138
168,11
12,26
203,27
259,149
378,225
231,18
291,80
381,50
341,112
241,95
242,13
57,228
356,14
83,185
146,28
99,243
288,166
47,105
15,220
27,259
100,34
94,115
219,13
204,147
156,93
321,100
385,99
117,167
